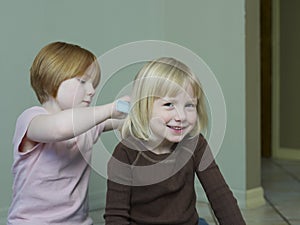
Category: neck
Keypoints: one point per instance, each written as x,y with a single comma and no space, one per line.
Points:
51,106
159,147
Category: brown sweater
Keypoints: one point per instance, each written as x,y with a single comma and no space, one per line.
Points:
146,189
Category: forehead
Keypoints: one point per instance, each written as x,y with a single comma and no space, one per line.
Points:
185,94
173,89
91,73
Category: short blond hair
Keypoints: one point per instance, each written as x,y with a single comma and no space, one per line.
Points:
57,62
156,79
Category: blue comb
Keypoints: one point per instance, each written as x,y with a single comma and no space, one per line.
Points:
122,106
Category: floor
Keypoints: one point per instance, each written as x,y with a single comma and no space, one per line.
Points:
281,183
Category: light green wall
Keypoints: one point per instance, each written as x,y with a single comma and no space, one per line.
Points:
215,30
26,26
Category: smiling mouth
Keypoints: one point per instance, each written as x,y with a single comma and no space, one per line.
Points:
177,128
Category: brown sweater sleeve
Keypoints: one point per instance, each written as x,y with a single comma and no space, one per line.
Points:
217,191
118,189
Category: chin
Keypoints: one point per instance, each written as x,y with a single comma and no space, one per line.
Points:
176,139
83,105
179,138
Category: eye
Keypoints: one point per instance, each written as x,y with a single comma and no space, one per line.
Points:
190,105
168,105
82,81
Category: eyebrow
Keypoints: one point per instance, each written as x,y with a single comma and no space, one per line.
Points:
86,76
166,99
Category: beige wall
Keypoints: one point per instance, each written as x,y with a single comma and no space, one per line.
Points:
253,94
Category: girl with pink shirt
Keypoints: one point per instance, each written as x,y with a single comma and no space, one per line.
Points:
53,142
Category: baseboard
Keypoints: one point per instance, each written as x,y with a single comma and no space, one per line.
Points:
255,197
251,198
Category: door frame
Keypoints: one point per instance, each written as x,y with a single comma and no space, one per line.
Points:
266,76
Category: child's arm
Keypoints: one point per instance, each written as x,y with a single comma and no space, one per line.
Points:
117,210
69,123
123,106
218,192
220,196
113,124
117,204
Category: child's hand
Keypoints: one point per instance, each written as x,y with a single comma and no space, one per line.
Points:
121,107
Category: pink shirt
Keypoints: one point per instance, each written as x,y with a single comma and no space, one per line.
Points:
51,180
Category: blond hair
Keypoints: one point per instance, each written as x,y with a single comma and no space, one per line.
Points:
159,78
57,62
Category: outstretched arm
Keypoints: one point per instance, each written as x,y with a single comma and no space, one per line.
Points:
68,123
113,124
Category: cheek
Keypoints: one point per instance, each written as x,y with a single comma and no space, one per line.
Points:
68,87
64,94
68,93
192,117
163,117
78,93
156,121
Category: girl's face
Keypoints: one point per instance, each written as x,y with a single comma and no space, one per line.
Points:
75,92
173,117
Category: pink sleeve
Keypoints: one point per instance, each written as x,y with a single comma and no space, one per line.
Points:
96,132
23,122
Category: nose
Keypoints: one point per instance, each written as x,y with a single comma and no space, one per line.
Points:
180,115
90,89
